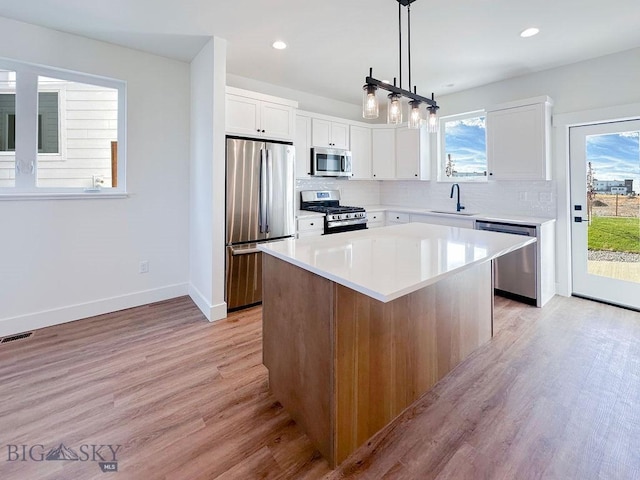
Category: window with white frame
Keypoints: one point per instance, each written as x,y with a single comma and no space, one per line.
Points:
462,145
60,131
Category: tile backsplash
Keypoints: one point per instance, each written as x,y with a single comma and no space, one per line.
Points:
352,192
536,199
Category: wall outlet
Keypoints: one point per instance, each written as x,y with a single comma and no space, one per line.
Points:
523,197
97,181
144,266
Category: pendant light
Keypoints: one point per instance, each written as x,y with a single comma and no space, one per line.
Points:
370,107
394,109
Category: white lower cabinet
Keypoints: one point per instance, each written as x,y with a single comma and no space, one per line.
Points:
375,219
394,218
450,221
310,227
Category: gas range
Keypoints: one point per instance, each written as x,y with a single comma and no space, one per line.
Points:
338,218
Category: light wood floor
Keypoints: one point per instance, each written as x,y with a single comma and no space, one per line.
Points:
555,394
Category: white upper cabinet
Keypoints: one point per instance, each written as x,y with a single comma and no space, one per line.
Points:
360,140
518,140
256,115
383,153
329,134
412,154
302,142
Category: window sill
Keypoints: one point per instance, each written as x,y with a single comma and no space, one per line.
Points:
464,180
62,196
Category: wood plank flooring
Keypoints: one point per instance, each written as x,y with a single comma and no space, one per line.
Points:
555,394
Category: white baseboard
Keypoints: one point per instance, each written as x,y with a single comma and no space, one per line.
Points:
212,312
56,316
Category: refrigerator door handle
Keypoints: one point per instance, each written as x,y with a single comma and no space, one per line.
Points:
262,208
270,188
244,251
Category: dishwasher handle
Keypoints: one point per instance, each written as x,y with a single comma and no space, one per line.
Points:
525,230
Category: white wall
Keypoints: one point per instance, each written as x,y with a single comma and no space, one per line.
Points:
69,259
207,200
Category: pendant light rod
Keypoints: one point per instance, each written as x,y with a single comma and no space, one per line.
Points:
408,42
400,42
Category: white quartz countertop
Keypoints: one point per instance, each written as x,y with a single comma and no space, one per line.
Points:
507,218
389,262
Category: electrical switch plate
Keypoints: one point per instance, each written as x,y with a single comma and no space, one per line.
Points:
144,266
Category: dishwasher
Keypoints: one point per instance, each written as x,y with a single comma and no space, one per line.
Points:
515,274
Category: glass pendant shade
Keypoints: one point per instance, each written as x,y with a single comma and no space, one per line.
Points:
432,122
415,117
370,107
394,110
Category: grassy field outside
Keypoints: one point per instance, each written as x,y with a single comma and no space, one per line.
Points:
618,234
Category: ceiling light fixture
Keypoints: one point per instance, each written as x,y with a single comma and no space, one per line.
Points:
279,45
370,106
529,32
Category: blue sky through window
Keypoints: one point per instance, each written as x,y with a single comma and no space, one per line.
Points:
615,156
465,140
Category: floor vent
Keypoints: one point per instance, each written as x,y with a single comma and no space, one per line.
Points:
13,338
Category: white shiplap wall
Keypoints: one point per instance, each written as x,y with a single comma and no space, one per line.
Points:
88,121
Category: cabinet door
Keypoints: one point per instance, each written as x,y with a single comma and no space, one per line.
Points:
408,153
517,143
276,121
361,152
383,153
302,143
243,116
340,135
321,133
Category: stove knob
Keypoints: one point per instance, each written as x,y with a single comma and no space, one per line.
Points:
347,216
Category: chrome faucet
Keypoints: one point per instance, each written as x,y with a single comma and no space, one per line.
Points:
458,206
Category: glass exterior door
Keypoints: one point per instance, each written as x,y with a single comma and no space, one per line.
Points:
605,212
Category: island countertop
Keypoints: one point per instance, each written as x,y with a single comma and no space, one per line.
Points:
389,262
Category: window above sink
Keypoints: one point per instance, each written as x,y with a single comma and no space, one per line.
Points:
462,148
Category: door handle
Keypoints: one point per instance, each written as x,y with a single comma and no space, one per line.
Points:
244,251
262,220
269,189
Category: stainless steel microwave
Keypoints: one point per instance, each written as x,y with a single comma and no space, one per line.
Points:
330,162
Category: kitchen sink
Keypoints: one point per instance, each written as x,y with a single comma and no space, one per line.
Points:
453,212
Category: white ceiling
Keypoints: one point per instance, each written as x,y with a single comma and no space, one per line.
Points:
332,43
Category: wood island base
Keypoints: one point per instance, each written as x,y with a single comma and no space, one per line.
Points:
344,365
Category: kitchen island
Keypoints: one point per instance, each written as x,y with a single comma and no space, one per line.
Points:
358,325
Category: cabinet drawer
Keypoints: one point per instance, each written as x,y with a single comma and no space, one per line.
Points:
310,224
396,217
375,217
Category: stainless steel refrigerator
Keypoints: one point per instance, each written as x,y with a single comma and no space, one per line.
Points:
260,208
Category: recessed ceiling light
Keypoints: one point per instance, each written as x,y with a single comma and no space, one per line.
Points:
529,32
279,45
449,85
